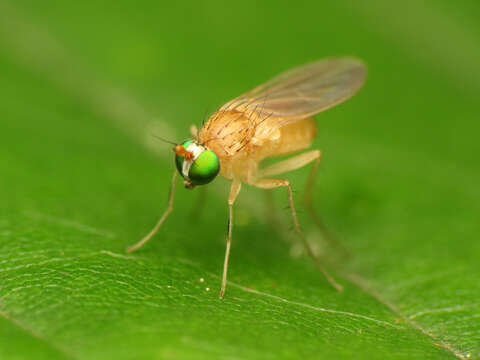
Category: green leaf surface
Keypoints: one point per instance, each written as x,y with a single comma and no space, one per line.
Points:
84,85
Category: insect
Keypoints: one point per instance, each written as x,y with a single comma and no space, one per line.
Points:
271,120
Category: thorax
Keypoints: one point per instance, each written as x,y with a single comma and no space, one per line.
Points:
241,142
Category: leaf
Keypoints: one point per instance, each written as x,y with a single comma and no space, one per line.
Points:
84,86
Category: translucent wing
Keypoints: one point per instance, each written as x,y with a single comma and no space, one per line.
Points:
304,91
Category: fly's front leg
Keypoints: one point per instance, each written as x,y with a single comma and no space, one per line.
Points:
234,190
194,131
167,212
197,209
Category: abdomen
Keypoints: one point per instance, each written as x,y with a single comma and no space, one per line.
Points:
294,137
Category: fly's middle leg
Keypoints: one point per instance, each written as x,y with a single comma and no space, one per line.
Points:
266,183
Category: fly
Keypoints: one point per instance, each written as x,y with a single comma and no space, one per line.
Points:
271,120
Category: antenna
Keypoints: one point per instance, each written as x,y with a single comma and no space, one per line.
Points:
164,140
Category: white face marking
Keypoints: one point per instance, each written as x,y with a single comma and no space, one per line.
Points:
196,150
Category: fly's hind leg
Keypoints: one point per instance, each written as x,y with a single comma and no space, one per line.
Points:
265,183
164,216
313,214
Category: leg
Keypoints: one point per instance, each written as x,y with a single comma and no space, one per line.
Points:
169,209
273,220
281,167
273,183
194,131
197,209
298,162
308,203
234,190
291,164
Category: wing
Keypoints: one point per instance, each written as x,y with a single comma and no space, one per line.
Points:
303,91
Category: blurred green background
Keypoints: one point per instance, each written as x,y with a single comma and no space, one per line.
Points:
84,85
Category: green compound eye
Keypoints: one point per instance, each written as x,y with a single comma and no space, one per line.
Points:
203,169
